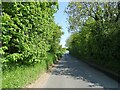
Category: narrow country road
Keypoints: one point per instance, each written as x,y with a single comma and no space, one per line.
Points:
71,73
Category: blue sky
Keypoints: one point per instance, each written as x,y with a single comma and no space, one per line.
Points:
60,19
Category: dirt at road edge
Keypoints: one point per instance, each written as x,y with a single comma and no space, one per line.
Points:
40,82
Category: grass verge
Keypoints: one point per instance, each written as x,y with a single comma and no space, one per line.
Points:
20,76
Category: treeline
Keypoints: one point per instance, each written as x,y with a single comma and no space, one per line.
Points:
96,33
29,32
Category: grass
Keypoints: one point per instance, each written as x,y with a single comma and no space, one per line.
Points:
20,76
0,76
50,59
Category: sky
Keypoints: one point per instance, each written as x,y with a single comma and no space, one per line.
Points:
60,19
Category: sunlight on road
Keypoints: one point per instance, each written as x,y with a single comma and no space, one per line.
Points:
71,73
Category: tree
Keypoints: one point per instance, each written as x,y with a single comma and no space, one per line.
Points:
79,12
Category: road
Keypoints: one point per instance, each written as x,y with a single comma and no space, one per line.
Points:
71,73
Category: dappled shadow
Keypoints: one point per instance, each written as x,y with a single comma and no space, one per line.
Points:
73,68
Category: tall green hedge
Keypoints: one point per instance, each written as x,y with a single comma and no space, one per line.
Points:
28,31
101,47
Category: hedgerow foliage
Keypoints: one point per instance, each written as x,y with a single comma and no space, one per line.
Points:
28,31
96,36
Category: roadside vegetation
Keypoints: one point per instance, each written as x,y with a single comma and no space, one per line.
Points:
30,41
17,76
95,31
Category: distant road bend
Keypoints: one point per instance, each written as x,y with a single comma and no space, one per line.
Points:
71,73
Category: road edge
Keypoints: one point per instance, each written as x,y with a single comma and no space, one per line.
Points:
109,73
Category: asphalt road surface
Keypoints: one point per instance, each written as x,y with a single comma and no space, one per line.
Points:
71,73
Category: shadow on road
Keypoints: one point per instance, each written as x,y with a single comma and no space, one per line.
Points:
73,68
